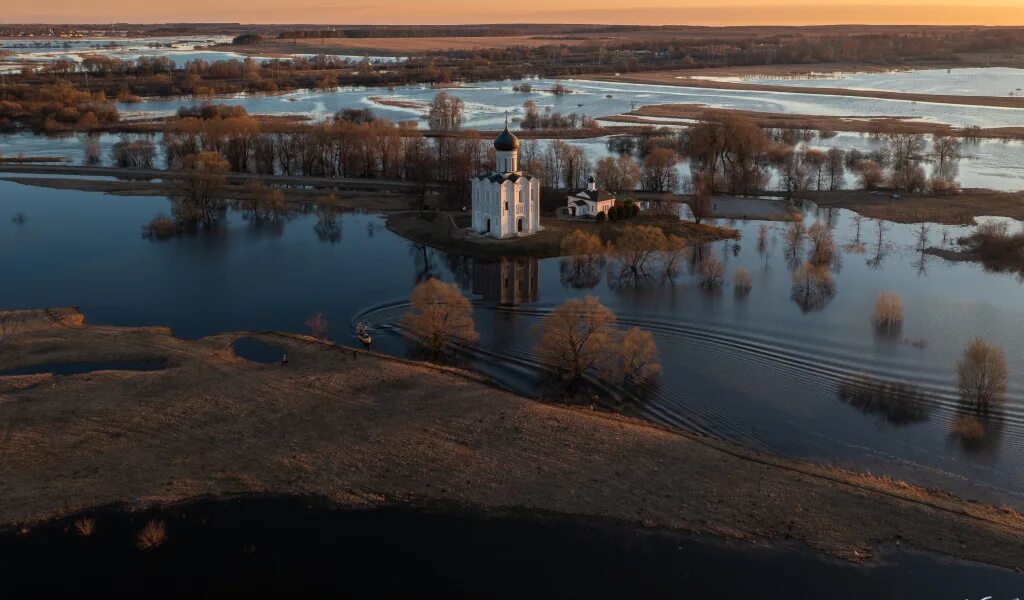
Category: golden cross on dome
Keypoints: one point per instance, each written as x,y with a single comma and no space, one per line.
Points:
506,119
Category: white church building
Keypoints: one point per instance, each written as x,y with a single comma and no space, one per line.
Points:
506,201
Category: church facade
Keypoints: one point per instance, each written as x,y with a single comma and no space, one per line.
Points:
506,201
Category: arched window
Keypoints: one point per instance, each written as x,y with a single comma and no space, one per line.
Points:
506,205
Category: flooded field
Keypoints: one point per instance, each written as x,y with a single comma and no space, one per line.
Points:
811,377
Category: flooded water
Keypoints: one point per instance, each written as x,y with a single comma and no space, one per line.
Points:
759,369
487,102
180,50
257,351
989,81
289,546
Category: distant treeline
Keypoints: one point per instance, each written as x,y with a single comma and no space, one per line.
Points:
416,31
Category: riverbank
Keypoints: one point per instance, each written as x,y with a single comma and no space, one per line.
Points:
448,231
364,430
957,209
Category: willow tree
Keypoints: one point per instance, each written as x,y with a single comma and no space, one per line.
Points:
440,316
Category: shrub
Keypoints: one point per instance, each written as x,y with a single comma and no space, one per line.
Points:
813,287
161,227
743,280
601,217
85,526
711,270
982,374
888,312
152,536
969,431
943,186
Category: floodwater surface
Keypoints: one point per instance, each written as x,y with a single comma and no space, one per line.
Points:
760,368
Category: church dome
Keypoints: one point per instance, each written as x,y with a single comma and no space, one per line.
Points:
506,142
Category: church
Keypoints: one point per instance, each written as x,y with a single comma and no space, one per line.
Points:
506,201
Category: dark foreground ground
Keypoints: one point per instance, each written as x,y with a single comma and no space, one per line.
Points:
256,545
144,419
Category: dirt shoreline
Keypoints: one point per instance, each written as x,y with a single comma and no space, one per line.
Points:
362,429
687,79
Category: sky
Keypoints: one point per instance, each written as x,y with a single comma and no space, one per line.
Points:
656,12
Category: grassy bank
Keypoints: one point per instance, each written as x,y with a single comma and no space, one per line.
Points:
446,231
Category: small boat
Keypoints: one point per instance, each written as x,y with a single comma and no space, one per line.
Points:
365,339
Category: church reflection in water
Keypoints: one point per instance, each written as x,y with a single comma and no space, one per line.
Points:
507,281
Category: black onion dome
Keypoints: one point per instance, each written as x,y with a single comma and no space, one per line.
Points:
506,142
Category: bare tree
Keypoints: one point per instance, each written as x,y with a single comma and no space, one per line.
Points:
635,247
577,336
711,270
639,353
743,281
199,189
318,326
823,245
584,259
673,251
982,374
700,204
946,149
446,112
835,168
813,287
440,316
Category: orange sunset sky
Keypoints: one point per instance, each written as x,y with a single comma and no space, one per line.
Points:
695,12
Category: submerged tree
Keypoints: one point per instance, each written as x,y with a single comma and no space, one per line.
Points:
440,316
674,250
577,336
635,248
982,374
639,353
711,270
584,259
813,287
199,189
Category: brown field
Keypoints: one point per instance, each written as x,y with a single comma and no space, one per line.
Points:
866,124
362,429
686,79
402,45
960,209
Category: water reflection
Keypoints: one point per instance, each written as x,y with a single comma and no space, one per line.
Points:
895,402
509,281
